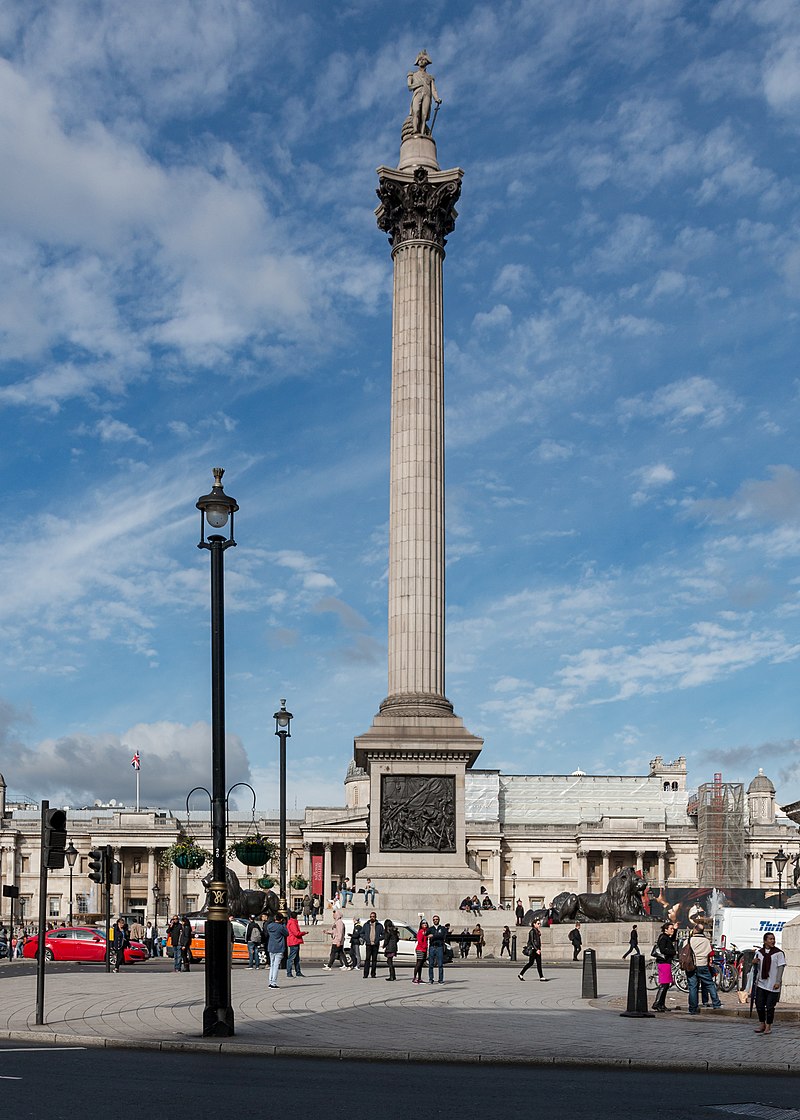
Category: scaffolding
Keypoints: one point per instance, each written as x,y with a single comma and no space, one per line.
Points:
721,858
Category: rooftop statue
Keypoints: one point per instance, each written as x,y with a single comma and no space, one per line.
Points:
423,91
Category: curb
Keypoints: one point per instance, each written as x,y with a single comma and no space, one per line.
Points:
244,1049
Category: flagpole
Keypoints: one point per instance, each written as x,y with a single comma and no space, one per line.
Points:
137,791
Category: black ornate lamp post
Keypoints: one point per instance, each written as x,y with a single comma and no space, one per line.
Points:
513,890
215,509
156,893
71,854
780,860
283,720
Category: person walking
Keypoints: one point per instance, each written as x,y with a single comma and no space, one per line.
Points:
276,946
294,942
633,947
336,933
355,944
119,942
768,965
253,937
698,951
506,945
420,951
150,934
664,952
391,943
437,935
186,944
480,940
575,938
371,937
534,947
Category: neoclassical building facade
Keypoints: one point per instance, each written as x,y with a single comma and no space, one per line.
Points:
528,836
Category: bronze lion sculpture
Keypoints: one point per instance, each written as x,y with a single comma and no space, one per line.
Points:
621,900
243,903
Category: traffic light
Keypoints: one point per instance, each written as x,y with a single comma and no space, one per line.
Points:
97,863
55,838
116,872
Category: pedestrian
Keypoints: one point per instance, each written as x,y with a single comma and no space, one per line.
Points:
174,939
355,943
150,939
420,951
294,942
119,942
479,939
314,910
768,965
519,911
371,937
464,941
697,952
437,935
253,937
533,950
574,936
276,946
336,933
186,944
391,943
506,945
137,931
307,908
633,947
664,952
369,893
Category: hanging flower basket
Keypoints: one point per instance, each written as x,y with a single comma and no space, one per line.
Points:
185,853
266,882
253,851
298,883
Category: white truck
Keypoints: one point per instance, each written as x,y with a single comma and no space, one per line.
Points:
745,928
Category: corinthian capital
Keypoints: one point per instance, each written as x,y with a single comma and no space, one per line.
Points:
417,209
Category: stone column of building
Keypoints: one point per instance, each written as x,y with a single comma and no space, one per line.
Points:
640,862
307,863
348,862
174,890
756,874
583,873
606,869
151,880
664,860
327,872
497,871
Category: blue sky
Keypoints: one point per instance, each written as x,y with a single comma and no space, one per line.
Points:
191,276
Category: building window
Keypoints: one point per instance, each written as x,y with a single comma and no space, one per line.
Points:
82,903
484,867
84,868
566,868
666,786
675,786
536,868
189,902
53,905
26,864
768,872
535,903
671,869
298,865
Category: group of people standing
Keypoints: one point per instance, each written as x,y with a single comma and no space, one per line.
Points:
280,938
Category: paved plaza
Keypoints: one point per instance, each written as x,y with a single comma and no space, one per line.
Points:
482,1013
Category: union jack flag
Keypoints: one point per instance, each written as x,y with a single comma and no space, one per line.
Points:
136,762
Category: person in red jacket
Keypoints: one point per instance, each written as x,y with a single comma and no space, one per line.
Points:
421,951
294,939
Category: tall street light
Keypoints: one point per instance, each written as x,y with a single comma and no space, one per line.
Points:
514,891
71,854
215,509
780,859
283,720
156,893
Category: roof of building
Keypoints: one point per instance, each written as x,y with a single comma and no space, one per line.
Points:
761,783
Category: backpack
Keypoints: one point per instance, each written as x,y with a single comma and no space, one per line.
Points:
255,934
571,936
686,957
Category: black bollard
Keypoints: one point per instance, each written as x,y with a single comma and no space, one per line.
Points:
589,976
637,991
513,946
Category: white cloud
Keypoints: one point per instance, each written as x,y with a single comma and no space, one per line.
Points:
693,400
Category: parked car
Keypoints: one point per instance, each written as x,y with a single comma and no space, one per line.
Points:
78,943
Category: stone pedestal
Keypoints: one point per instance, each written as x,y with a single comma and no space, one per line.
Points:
790,943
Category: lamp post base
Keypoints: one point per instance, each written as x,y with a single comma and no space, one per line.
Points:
218,1022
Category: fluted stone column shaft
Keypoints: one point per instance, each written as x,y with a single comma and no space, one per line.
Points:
327,873
416,518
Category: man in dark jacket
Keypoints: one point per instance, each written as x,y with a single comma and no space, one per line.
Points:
119,942
534,950
371,937
574,936
174,939
437,935
253,937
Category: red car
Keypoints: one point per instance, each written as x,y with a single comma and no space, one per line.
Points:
78,943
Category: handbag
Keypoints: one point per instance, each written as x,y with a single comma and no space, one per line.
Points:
526,950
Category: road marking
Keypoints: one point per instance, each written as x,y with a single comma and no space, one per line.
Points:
10,1078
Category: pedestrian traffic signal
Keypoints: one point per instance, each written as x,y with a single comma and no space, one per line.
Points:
97,864
116,872
54,840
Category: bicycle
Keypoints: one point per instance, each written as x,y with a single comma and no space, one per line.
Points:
679,978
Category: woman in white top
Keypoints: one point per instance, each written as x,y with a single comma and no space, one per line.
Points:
768,965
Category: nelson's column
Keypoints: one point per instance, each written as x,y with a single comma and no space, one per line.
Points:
417,749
